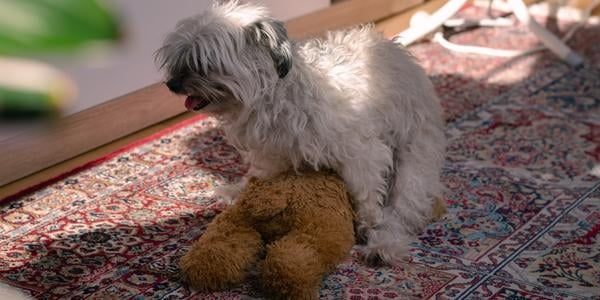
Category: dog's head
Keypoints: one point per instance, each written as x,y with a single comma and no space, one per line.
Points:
226,57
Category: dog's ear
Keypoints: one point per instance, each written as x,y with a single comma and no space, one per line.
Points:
273,35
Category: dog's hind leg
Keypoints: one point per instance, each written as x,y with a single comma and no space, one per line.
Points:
364,172
415,185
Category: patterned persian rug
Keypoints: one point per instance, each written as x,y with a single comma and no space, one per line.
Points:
524,203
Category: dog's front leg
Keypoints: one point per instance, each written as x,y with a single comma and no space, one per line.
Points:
263,165
260,166
228,193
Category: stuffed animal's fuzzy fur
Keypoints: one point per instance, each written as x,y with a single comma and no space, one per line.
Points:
294,228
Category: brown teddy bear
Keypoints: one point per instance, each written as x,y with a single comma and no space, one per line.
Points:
294,228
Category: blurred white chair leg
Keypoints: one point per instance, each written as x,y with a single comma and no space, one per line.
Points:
550,40
424,24
429,23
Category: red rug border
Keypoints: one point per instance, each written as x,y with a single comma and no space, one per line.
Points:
101,159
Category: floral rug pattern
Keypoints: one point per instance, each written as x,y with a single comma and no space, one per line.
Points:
523,200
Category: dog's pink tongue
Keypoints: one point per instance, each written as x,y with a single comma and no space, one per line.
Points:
193,103
190,102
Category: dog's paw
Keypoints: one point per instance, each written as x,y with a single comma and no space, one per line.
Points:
374,259
227,194
385,248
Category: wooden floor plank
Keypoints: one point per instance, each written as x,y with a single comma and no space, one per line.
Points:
347,13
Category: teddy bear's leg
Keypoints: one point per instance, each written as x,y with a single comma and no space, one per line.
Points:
223,255
294,268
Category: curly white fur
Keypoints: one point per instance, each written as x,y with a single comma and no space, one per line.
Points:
353,101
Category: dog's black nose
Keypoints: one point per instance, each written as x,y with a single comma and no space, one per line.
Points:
175,85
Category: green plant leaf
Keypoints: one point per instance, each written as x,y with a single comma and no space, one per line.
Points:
29,87
42,26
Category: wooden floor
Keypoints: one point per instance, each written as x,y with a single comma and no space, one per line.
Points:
77,161
388,26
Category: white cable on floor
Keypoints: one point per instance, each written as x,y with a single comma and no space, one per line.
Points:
439,38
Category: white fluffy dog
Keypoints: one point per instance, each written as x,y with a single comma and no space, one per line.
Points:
353,102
